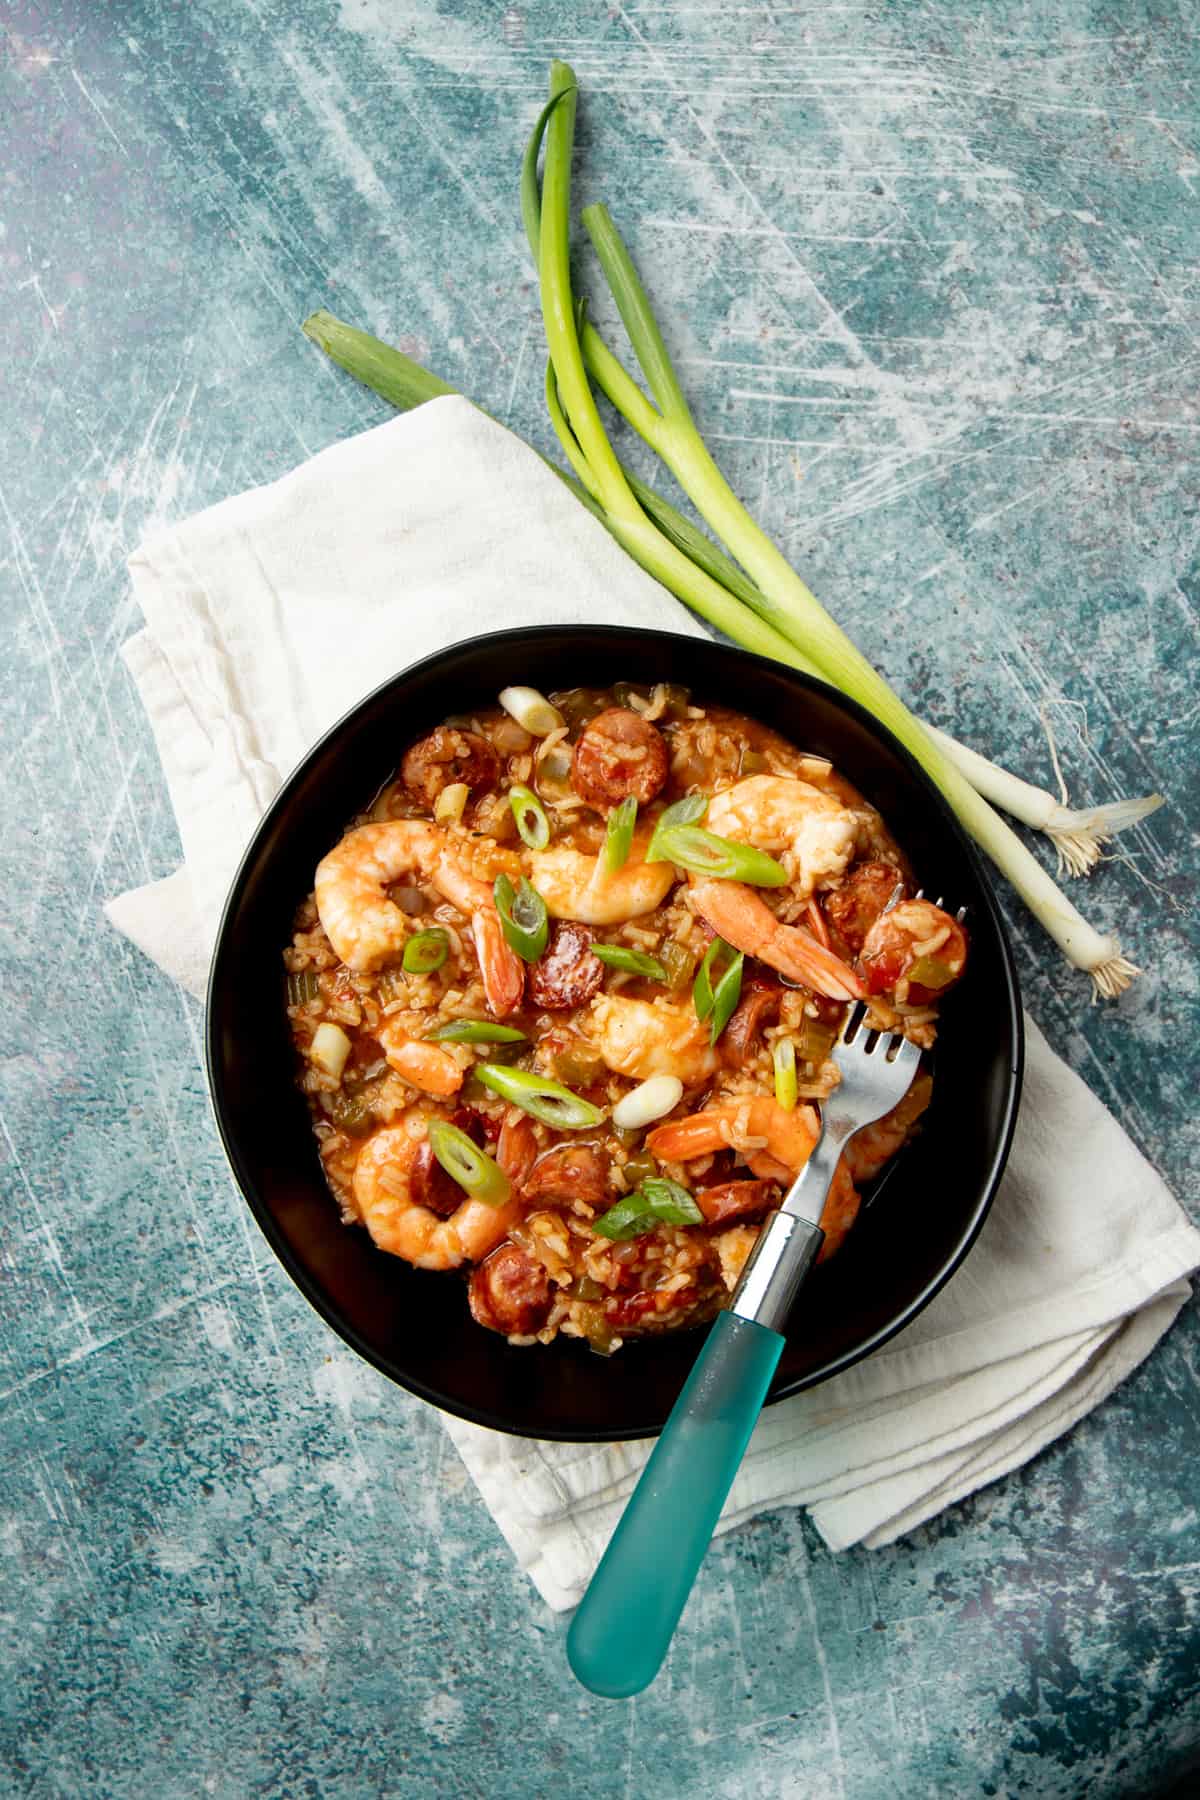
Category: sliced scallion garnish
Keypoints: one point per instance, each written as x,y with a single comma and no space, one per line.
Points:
635,961
425,951
530,815
657,1202
784,1059
618,838
715,995
540,1097
473,1169
704,853
523,917
475,1031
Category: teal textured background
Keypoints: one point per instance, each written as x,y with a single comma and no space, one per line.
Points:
932,274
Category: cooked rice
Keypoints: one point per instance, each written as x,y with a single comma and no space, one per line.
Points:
600,1290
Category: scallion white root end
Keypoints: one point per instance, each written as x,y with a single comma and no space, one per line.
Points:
1080,836
1111,977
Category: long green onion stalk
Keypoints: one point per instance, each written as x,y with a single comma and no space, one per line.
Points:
1078,836
758,600
787,606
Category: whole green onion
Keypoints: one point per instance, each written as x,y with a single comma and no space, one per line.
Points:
618,839
704,853
530,816
784,1059
426,951
540,1097
475,1031
473,1169
523,917
636,961
657,1202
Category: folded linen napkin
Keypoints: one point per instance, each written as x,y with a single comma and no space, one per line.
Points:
270,614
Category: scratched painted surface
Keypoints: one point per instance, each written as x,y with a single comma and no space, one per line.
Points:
932,275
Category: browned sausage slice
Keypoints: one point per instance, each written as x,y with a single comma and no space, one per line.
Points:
619,754
759,1002
735,1200
509,1292
567,973
569,1172
449,755
853,908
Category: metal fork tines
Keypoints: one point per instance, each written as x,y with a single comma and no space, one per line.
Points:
877,1069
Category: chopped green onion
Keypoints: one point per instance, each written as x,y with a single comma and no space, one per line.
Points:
532,711
717,999
688,811
657,1202
725,997
540,1097
475,1031
302,986
636,961
426,951
530,815
523,917
704,853
703,986
784,1058
463,1160
618,839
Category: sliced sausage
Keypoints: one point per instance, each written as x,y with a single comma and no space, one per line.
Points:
853,907
429,1182
916,937
510,1292
758,1004
736,1200
567,973
449,755
569,1172
516,1151
619,754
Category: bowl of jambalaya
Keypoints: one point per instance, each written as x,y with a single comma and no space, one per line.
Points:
523,1007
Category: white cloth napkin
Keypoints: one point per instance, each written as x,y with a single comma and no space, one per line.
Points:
272,613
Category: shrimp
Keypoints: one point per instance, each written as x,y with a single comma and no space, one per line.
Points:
575,886
427,1066
775,1141
745,920
367,930
813,835
383,1195
640,1039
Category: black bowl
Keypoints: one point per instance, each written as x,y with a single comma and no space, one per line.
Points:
415,1326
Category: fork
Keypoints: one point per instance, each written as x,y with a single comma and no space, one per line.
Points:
625,1622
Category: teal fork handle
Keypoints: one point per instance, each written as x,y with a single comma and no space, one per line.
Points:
625,1621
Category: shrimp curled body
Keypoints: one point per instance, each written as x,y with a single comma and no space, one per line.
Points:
575,886
398,1224
367,930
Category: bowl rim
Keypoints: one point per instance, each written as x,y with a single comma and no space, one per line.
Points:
264,1217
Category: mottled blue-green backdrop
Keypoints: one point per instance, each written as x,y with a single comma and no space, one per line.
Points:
931,273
